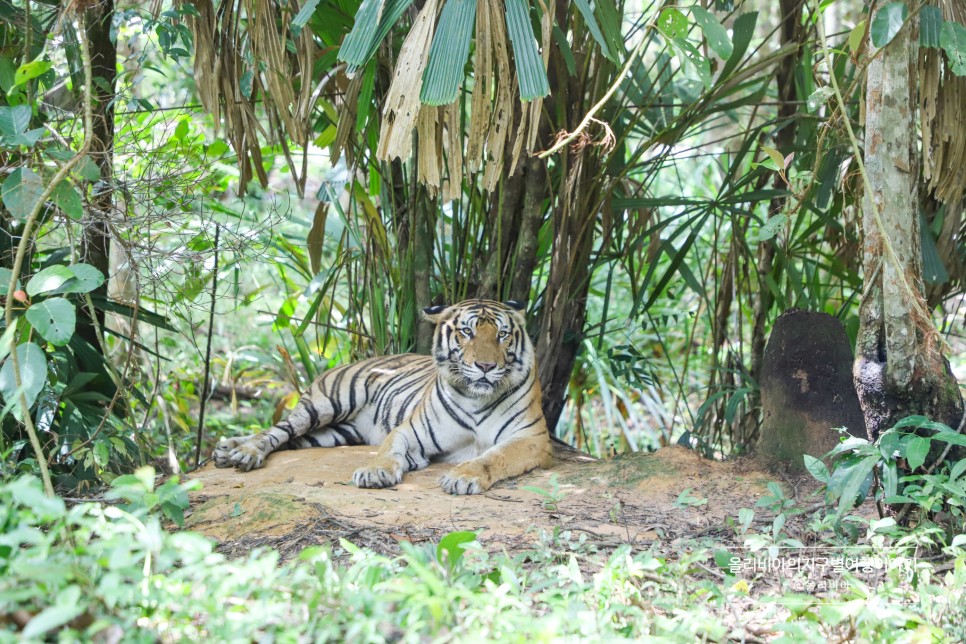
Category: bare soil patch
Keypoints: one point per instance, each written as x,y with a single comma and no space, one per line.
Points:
305,497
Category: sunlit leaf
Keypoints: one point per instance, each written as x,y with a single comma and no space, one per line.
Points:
916,451
49,279
672,23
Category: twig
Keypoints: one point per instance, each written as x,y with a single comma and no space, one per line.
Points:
589,117
211,325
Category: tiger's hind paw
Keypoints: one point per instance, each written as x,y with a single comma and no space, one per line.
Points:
377,476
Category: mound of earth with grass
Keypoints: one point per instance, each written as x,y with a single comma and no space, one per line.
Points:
305,497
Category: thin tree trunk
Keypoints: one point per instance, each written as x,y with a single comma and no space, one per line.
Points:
899,368
96,242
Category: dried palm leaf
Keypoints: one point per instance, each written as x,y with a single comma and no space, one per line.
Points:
402,102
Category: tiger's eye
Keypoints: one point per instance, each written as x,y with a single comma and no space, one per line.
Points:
503,334
466,331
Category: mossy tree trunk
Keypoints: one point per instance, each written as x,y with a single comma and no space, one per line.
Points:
899,368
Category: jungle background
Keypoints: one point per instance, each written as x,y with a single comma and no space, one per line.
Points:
206,204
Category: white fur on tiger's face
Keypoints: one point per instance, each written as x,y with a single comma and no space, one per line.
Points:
476,401
481,349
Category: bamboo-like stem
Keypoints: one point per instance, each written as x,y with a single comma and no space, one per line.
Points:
25,241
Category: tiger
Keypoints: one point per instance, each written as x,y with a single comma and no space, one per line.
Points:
475,401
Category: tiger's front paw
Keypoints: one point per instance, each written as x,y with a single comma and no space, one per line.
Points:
378,474
465,479
222,453
243,454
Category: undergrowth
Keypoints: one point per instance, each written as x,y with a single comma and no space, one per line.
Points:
115,573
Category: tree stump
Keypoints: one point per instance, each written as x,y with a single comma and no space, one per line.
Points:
806,390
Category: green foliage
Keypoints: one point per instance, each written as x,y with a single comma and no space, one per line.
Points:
91,572
138,490
551,497
905,469
953,41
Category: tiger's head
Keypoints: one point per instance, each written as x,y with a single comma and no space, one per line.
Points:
481,346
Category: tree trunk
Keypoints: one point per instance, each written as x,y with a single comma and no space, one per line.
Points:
96,243
899,368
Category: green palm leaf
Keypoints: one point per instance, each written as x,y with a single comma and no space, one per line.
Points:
531,74
450,49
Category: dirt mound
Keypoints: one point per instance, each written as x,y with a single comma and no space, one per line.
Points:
304,497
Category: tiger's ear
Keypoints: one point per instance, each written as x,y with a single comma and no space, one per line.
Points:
433,313
516,306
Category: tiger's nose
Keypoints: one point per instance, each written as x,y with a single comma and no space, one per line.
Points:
486,366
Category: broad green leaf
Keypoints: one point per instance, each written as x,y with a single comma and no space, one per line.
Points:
672,23
54,318
453,546
911,421
49,279
775,156
68,200
816,468
930,26
916,450
181,129
887,22
6,343
33,376
7,72
588,13
87,169
531,75
694,65
5,274
86,278
30,71
27,139
953,40
448,53
21,192
14,120
716,35
772,227
957,470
